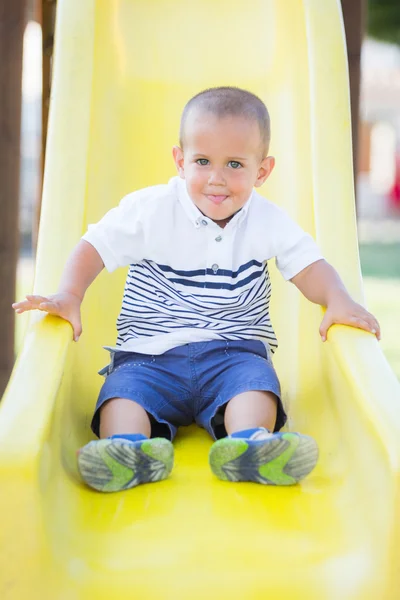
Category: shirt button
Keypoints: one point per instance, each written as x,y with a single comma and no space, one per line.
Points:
215,268
204,222
219,238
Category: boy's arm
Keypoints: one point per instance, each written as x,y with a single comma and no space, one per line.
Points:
321,284
81,269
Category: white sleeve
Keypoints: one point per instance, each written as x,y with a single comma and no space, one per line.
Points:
118,236
294,248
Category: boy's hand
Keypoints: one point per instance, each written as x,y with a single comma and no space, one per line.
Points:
320,283
343,310
64,305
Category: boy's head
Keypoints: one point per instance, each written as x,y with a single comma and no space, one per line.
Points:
224,140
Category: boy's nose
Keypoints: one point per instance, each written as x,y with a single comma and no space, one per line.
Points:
216,177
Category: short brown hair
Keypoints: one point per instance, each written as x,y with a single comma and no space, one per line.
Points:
230,101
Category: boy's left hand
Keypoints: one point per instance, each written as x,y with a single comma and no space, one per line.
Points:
343,310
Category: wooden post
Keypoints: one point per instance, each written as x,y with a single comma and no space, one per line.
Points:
12,24
354,13
46,14
48,25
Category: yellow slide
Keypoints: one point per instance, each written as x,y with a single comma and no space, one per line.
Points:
123,70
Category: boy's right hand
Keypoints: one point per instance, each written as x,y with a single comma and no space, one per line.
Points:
64,305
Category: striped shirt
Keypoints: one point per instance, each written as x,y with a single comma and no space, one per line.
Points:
189,280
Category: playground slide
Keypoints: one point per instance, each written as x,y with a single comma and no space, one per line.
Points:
123,70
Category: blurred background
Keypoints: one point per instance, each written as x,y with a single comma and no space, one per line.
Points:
373,44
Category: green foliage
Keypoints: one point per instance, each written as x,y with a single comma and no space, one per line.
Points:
384,20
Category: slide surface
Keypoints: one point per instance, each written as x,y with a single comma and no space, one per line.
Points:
123,70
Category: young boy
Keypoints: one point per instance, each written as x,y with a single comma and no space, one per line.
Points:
194,334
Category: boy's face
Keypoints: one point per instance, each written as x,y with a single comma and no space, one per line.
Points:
221,161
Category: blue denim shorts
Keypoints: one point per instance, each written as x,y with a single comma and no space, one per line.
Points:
190,383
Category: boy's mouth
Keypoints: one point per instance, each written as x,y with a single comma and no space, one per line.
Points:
216,199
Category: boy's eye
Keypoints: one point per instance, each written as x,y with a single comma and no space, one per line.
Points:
202,161
234,164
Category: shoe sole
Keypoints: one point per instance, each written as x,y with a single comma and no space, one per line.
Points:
115,465
283,459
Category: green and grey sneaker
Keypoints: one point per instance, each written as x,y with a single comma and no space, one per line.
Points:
263,457
112,465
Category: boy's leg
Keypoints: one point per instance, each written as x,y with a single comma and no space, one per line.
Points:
122,416
125,456
251,452
251,409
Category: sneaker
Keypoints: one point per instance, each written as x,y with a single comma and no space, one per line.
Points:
112,465
268,458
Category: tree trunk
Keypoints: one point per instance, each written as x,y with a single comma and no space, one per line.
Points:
12,23
354,12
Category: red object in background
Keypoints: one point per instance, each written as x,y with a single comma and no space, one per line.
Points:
394,194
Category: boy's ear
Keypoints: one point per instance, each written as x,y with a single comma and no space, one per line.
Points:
177,153
265,169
